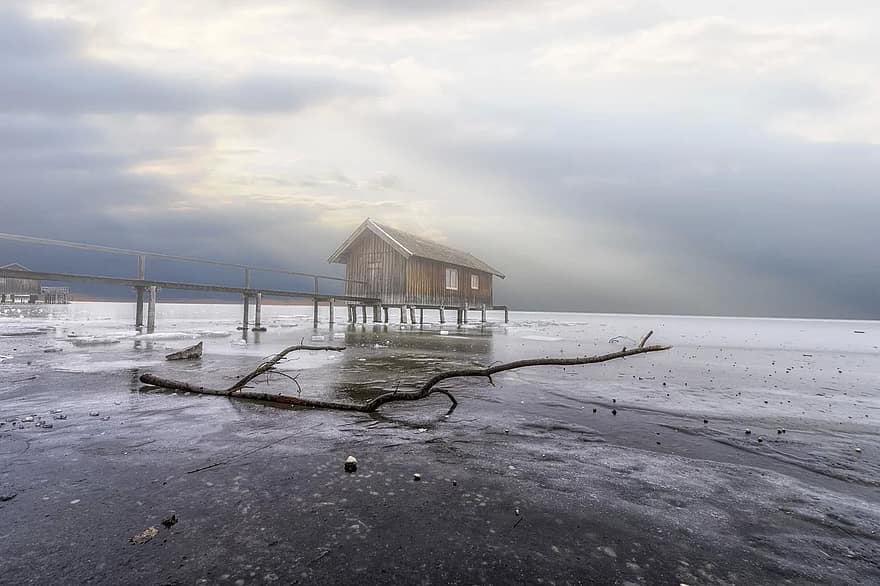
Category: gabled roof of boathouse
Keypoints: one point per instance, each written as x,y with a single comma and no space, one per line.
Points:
15,267
412,245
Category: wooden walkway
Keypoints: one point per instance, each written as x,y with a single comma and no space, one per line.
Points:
150,288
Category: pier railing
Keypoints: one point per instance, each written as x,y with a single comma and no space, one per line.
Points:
147,286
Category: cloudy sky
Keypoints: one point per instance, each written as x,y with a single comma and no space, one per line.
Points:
680,156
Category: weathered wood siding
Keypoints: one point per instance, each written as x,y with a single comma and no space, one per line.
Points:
373,260
426,285
14,286
396,280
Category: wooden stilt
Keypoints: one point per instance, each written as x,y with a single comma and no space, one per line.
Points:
421,316
139,307
483,313
464,311
315,313
442,316
151,310
354,313
412,315
258,313
245,318
385,317
364,312
332,311
402,314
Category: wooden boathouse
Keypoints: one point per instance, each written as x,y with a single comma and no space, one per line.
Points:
410,272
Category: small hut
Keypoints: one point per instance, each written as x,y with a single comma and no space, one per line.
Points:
402,269
19,290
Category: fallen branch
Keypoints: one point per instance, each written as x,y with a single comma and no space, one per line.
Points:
238,388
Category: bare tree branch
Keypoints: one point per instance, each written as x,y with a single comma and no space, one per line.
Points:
237,389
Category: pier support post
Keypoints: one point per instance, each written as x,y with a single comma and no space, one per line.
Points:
506,317
421,316
403,314
412,315
245,318
151,310
442,316
458,316
377,314
364,312
139,307
385,316
258,313
483,313
332,310
464,311
315,313
353,309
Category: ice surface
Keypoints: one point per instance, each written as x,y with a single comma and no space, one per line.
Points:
537,338
676,453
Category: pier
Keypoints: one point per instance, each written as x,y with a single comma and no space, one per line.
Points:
146,290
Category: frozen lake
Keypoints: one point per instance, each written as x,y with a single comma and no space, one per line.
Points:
757,436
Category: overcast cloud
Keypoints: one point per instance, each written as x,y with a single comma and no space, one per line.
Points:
656,157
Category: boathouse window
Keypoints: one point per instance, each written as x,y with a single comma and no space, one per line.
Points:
452,278
475,282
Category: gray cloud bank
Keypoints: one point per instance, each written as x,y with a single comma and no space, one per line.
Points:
650,210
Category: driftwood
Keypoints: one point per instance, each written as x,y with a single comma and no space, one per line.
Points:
238,388
188,353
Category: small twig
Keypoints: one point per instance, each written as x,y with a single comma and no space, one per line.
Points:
293,378
645,339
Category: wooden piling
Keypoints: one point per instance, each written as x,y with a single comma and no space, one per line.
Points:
464,312
315,313
385,317
412,315
139,307
421,316
245,319
332,310
442,316
364,312
403,314
151,310
258,313
483,313
354,313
